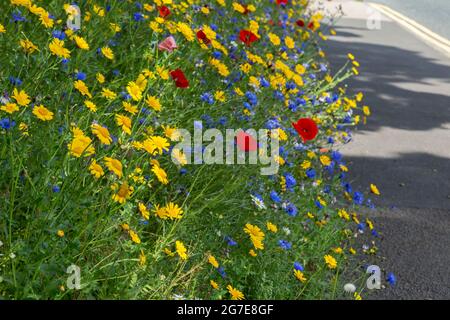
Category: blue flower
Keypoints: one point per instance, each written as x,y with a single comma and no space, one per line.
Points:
275,197
358,198
6,123
56,189
221,271
311,173
291,210
80,76
285,244
207,97
230,241
290,180
59,34
391,279
298,266
138,16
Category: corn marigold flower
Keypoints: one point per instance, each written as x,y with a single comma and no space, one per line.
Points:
28,46
134,237
108,94
81,145
160,174
153,103
252,253
325,160
134,91
235,293
214,284
186,31
42,113
102,133
142,258
129,107
115,166
179,157
173,211
212,260
256,235
374,189
21,97
100,78
96,169
123,193
90,105
82,88
124,122
160,212
81,43
144,211
2,28
107,53
156,145
330,261
271,227
57,48
10,108
299,275
60,233
181,250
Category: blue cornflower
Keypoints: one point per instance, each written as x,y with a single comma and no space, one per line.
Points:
285,244
298,266
391,279
275,197
291,210
138,16
6,123
56,189
311,173
358,198
221,271
217,54
80,76
290,180
207,97
58,34
230,241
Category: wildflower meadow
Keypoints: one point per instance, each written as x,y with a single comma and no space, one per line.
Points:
103,193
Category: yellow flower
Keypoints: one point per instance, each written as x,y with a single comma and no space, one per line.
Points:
271,227
274,39
186,31
374,189
181,250
123,194
171,133
114,165
235,294
252,253
96,169
108,53
81,145
21,97
108,94
124,122
102,133
46,20
325,160
100,78
299,275
330,261
81,43
134,237
212,260
179,157
366,111
10,108
134,90
153,103
156,145
57,48
142,258
143,210
160,174
28,46
60,233
160,212
82,88
289,42
214,284
90,105
129,107
42,113
256,235
173,211
2,28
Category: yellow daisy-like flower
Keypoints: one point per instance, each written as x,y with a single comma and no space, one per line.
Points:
102,133
156,145
143,210
46,20
28,46
160,174
134,237
81,43
2,28
81,145
256,235
186,31
299,275
214,284
134,91
212,260
173,211
10,108
271,227
107,53
153,103
181,250
330,261
114,165
42,113
374,189
57,48
124,122
179,157
235,293
171,133
96,169
160,212
142,258
325,160
82,88
60,233
129,107
252,253
100,78
123,194
90,105
108,94
21,97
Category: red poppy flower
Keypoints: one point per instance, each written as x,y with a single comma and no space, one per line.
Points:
164,11
179,78
247,37
306,128
311,25
300,23
284,2
246,142
201,36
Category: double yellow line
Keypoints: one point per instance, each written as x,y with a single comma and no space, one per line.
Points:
424,33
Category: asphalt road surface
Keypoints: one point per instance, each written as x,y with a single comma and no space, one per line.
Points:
433,14
404,149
